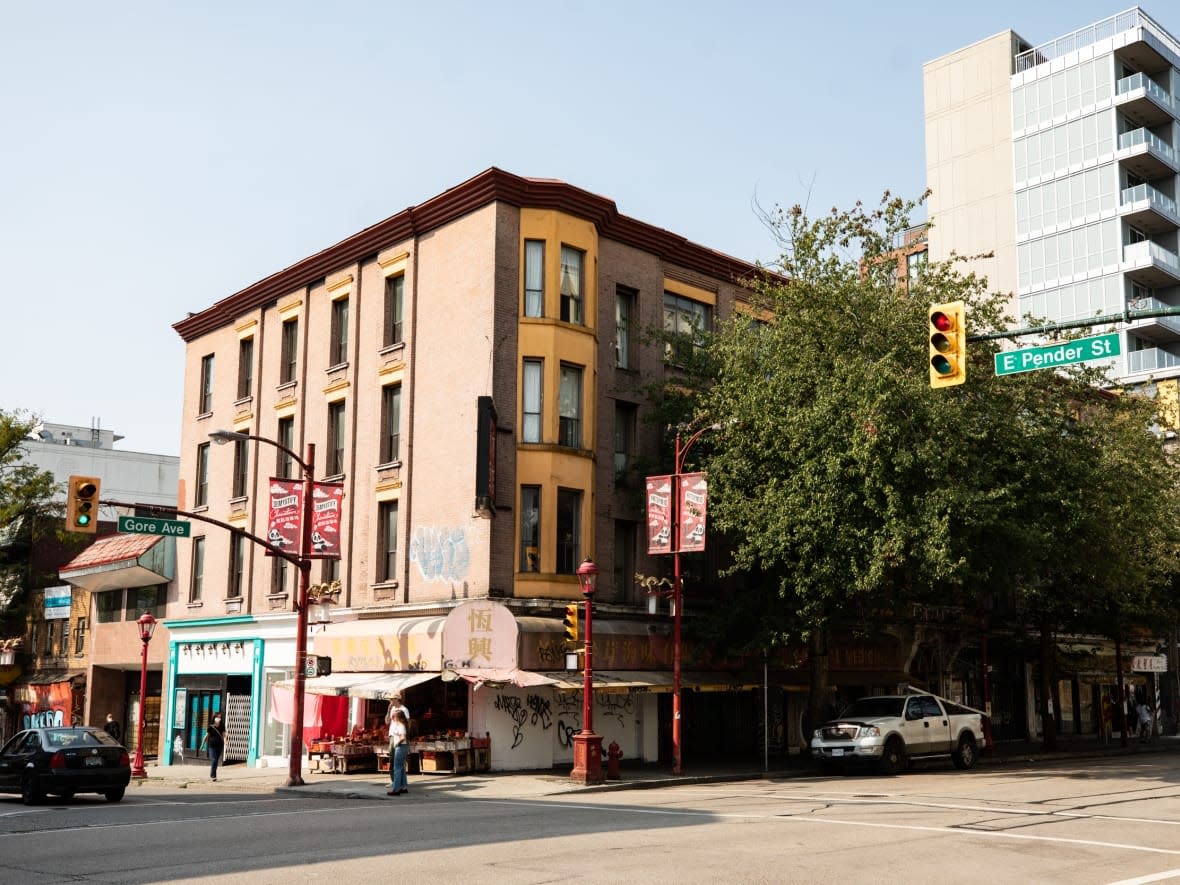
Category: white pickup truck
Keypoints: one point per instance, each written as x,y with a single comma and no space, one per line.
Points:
893,729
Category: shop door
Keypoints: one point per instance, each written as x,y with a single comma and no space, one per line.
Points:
202,704
237,727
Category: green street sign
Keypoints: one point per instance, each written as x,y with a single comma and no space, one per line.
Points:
140,525
1080,350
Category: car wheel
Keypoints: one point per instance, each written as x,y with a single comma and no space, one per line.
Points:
964,757
893,761
31,791
828,767
115,795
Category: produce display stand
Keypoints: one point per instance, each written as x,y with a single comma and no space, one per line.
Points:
452,755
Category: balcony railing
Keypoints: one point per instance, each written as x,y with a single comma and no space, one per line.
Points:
1154,143
1091,34
1142,81
1140,192
1151,359
1171,323
1147,251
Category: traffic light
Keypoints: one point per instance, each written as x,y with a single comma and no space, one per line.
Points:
948,344
82,504
571,622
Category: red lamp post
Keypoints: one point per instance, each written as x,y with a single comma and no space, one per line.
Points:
303,563
147,626
587,768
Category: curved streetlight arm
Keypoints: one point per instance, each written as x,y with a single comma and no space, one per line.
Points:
221,437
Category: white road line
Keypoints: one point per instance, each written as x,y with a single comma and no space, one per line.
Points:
1154,877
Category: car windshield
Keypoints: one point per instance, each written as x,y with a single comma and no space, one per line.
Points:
75,737
867,707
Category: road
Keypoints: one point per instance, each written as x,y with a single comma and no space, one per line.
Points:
1088,821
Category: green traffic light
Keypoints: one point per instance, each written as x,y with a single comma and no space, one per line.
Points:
82,519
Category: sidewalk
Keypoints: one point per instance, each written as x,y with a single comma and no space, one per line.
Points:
526,784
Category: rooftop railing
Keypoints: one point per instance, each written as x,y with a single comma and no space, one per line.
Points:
1091,34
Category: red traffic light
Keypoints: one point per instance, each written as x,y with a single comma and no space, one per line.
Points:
942,321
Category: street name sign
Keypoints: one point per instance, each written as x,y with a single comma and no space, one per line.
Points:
140,525
1080,350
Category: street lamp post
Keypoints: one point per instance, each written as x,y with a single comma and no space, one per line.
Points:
303,563
588,745
147,626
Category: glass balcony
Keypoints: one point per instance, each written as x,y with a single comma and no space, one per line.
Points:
1143,100
1146,154
1151,265
1148,209
1160,328
1151,359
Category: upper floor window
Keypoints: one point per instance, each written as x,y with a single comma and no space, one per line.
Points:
686,319
329,570
201,497
245,367
196,582
625,415
569,531
391,421
624,317
534,278
279,573
531,401
285,464
237,566
395,288
530,528
289,351
569,404
205,406
241,468
335,460
338,345
387,555
80,636
572,285
915,261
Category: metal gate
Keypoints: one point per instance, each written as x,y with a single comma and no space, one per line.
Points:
237,727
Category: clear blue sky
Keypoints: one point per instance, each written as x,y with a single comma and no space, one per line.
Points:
159,156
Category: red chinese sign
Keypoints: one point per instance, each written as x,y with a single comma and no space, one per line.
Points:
692,498
285,523
659,514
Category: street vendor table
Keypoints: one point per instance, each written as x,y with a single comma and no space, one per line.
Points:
452,756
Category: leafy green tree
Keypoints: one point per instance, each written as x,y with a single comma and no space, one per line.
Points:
26,508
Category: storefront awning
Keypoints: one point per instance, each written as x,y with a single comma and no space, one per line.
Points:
479,676
118,561
374,686
648,680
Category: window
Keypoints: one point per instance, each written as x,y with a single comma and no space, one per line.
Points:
237,566
49,632
279,572
145,599
241,468
391,422
531,404
80,637
108,606
625,422
530,528
205,406
687,319
915,261
569,405
624,564
534,278
335,460
329,570
201,498
284,463
624,313
387,555
395,288
197,579
569,531
290,351
571,285
338,348
34,632
245,367
65,638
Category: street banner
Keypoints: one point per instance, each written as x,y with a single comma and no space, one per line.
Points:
659,514
57,602
692,497
325,520
286,512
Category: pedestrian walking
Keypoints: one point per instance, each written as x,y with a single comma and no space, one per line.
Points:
113,728
398,746
1107,717
1145,720
215,741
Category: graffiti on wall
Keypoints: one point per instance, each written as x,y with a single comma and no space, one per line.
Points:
441,552
515,709
569,717
46,706
619,707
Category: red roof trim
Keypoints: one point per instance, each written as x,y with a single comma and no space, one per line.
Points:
110,549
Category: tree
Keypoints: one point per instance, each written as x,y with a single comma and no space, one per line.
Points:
26,506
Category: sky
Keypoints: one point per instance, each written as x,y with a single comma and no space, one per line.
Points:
156,157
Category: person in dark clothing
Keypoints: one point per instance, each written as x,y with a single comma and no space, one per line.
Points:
215,741
113,728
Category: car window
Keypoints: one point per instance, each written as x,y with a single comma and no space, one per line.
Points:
31,743
57,739
913,708
930,706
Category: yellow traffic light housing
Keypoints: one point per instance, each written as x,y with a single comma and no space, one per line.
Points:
571,622
82,504
947,331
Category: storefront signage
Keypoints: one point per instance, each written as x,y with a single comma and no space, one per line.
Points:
1149,664
482,634
57,602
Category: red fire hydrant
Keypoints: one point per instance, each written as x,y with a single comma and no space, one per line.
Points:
613,755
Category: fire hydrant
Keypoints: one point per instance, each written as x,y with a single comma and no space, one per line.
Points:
613,755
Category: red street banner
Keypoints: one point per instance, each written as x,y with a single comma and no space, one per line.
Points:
325,520
285,525
659,514
286,514
690,504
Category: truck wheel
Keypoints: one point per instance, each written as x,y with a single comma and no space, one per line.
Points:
966,754
829,767
894,760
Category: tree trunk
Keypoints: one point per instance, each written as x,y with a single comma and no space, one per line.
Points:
819,700
1048,713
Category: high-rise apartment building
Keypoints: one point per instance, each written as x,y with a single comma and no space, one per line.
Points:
1059,163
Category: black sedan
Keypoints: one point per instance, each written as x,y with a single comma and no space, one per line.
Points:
62,762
